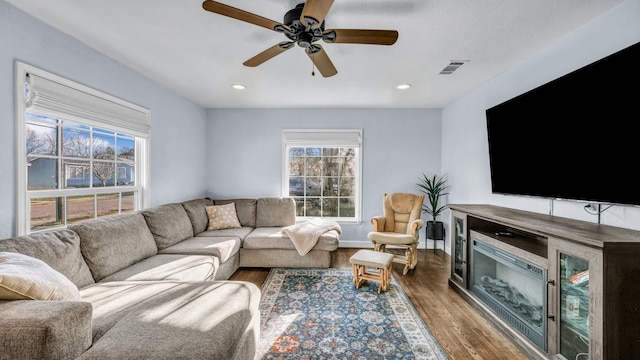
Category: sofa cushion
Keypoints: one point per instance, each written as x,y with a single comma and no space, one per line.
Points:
197,214
275,212
111,244
60,249
240,232
172,320
222,248
23,277
245,209
169,224
272,238
44,330
222,217
169,267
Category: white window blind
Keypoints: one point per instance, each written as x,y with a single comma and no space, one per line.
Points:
51,98
333,137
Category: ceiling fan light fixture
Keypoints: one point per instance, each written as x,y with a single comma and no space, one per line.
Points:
304,26
238,86
403,86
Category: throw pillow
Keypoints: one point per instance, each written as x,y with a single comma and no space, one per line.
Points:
222,217
26,278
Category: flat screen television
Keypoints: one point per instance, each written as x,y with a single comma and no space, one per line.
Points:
573,138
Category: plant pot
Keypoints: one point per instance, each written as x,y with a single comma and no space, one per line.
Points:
435,230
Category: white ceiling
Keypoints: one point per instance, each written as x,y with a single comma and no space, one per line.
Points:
199,54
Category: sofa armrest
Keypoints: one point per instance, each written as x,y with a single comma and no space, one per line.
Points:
378,223
44,329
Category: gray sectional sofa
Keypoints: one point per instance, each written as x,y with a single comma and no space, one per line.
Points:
151,284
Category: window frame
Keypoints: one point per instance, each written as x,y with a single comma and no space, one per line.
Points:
24,195
324,138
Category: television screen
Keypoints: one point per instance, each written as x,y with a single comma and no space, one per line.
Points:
573,138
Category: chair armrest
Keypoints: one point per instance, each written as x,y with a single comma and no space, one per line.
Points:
416,225
378,223
44,329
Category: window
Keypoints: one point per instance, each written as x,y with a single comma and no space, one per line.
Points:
85,152
322,172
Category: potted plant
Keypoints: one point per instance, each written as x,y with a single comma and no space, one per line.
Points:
434,188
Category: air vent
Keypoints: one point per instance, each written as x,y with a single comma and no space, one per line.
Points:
453,66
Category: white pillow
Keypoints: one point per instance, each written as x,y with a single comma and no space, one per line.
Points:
25,278
222,216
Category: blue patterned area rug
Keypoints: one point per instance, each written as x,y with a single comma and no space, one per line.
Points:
319,314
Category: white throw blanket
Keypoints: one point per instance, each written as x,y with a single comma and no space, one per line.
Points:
305,235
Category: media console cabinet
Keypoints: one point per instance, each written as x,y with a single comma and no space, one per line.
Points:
559,288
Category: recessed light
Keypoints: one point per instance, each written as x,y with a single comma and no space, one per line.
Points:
403,86
238,86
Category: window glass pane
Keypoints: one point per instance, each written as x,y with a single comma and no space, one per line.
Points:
76,173
314,186
296,166
347,186
330,151
40,119
347,207
330,187
104,145
103,173
348,151
126,148
313,166
76,142
46,213
296,186
108,204
331,166
125,174
80,208
299,206
330,207
128,202
312,207
296,152
41,173
42,140
313,151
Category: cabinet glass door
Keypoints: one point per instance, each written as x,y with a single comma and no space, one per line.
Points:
458,247
574,307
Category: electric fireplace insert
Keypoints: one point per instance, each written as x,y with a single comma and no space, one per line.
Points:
513,287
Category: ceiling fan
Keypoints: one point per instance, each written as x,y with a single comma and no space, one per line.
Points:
304,25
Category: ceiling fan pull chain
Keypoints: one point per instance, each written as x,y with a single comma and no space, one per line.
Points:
313,64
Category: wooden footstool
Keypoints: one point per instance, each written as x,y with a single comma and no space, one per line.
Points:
372,265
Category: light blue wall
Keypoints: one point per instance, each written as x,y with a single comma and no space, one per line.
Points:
178,139
245,156
231,153
465,149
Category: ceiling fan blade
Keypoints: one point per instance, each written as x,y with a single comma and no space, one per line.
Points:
230,11
315,11
359,36
321,60
269,53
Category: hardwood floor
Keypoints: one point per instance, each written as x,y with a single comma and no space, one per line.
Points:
459,329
